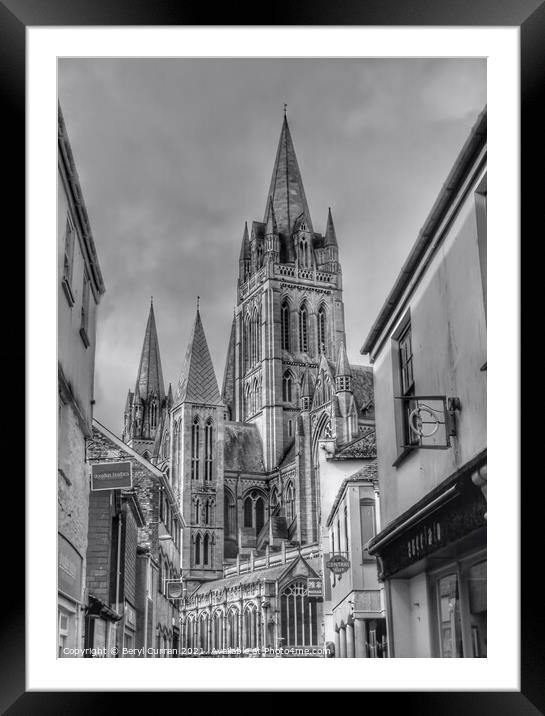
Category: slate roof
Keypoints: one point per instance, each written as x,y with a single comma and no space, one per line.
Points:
364,446
362,385
289,455
197,383
150,374
260,574
243,449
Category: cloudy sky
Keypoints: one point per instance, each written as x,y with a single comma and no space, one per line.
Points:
175,154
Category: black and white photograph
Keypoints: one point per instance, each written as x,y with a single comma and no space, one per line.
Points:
272,358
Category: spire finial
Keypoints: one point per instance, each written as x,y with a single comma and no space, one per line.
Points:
198,302
151,301
285,109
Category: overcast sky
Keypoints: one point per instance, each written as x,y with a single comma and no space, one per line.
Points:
174,155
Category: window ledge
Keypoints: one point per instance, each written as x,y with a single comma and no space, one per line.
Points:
84,337
68,292
405,452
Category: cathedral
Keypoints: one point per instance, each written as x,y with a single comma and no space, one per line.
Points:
243,461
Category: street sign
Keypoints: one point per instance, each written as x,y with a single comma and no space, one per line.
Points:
338,564
174,589
111,476
314,586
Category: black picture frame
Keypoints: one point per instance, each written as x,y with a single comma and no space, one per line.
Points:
529,16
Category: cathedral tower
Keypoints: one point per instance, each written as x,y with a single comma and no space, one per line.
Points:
196,426
144,406
289,308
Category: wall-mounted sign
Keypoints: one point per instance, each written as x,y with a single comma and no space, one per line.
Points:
111,475
174,589
69,569
314,586
338,564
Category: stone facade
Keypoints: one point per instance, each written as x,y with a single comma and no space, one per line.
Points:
79,291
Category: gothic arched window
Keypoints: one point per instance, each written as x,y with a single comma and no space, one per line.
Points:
303,253
195,428
198,549
207,512
153,415
259,514
205,550
247,341
322,335
208,434
197,511
257,396
290,502
229,514
248,512
232,629
285,326
287,383
298,615
303,328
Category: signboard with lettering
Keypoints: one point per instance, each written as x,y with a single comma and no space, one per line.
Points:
450,522
111,475
338,564
314,586
69,569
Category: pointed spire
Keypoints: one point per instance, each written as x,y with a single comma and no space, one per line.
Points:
270,221
197,382
245,246
343,366
306,387
228,387
128,402
150,373
330,236
343,369
286,188
170,398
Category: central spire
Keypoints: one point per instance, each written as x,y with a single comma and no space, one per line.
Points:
286,192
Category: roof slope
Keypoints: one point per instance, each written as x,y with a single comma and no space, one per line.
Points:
197,383
243,449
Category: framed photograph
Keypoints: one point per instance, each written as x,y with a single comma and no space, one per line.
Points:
259,313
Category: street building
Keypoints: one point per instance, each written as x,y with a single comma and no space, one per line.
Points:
135,553
80,287
428,350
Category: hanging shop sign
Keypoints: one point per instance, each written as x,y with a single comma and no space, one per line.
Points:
111,476
174,589
338,564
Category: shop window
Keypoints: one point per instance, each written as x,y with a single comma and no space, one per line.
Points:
63,628
450,623
477,608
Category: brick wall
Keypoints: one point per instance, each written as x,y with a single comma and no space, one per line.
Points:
99,548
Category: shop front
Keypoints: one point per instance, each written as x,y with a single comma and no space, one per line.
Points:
433,563
69,580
